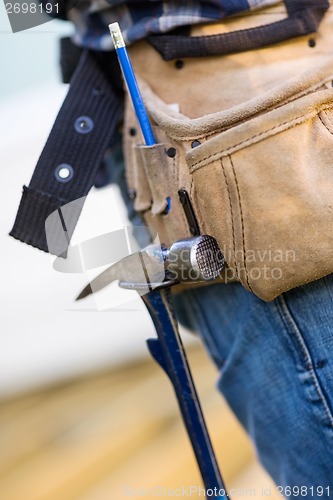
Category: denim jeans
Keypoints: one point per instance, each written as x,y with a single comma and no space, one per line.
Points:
275,362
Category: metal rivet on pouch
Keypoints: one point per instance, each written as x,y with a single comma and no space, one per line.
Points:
312,42
195,144
64,172
83,125
171,152
132,131
179,64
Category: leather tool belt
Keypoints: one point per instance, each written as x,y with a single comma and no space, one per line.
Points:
244,154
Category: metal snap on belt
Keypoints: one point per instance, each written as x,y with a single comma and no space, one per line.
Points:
64,172
83,125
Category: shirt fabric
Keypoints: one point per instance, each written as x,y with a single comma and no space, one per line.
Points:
139,19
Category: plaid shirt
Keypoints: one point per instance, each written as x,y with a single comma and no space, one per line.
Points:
139,19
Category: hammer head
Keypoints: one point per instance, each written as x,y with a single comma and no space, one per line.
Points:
192,260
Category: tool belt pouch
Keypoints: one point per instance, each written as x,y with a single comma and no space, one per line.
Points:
257,176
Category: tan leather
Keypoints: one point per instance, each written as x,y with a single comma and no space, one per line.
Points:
261,180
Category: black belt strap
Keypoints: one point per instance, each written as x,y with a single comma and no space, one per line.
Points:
76,145
304,17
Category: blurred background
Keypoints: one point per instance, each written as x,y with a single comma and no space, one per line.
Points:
84,412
